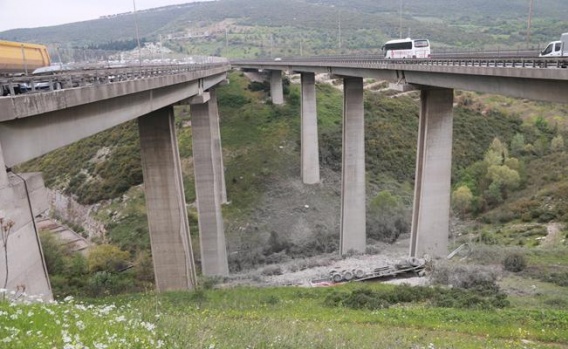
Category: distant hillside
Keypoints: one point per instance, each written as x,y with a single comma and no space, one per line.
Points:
249,28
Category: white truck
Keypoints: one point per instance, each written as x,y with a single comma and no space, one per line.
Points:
556,48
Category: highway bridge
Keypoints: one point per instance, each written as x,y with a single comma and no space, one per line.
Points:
77,104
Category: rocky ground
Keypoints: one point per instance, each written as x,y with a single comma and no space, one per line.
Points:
303,272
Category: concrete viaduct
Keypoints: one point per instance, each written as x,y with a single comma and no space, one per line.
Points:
436,79
34,124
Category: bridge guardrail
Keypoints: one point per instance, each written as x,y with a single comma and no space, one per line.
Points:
96,74
376,62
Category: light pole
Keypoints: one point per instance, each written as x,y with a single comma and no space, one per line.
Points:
137,33
400,21
529,23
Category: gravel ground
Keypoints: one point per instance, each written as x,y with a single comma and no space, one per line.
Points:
301,272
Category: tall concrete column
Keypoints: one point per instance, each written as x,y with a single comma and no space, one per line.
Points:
3,174
353,225
217,148
174,265
276,90
211,230
310,153
431,214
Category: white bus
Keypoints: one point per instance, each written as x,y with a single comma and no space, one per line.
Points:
407,48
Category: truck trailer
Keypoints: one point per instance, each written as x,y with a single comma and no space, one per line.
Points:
556,48
22,58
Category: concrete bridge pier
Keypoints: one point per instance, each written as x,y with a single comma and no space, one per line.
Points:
3,173
431,212
174,265
217,148
22,266
207,184
276,90
310,151
353,224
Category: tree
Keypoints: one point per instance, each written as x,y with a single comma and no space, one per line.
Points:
497,153
518,144
387,217
108,258
462,198
503,175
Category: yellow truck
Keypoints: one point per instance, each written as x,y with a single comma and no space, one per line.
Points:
21,57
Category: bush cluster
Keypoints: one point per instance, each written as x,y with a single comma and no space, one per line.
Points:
515,262
474,298
560,279
481,278
107,270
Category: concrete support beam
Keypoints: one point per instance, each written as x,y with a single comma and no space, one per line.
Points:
276,90
22,266
205,163
174,265
431,213
217,148
81,113
310,153
353,225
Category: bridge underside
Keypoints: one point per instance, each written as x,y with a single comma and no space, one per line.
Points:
25,138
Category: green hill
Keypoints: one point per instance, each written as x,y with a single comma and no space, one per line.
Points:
248,28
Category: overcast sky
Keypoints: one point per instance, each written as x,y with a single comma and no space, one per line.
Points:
40,13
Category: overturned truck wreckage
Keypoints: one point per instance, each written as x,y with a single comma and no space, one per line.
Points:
405,267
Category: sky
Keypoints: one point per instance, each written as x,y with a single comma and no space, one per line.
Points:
40,13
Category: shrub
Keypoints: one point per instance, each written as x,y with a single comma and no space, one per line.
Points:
515,262
104,283
365,299
107,258
468,299
560,279
270,300
438,297
272,270
480,278
54,253
144,267
209,282
357,299
279,257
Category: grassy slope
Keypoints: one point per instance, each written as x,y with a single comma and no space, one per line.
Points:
276,318
298,318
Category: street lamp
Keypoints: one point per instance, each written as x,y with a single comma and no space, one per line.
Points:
137,33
